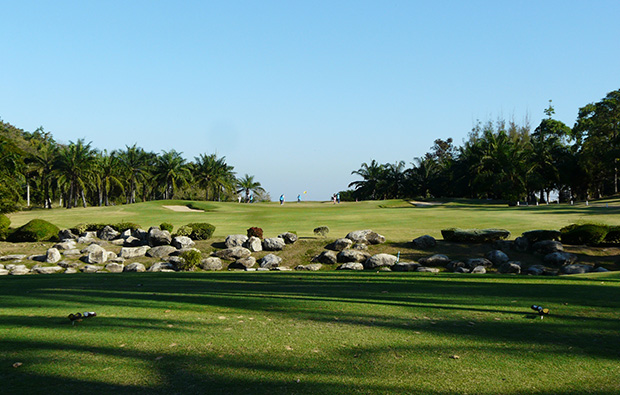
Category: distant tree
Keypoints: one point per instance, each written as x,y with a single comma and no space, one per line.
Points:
372,175
135,164
247,185
213,174
171,170
108,171
76,163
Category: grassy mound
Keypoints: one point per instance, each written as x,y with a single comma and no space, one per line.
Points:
35,230
5,222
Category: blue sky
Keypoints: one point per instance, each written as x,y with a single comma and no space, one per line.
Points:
299,93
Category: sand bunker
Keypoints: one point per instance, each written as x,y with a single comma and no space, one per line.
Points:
425,204
183,209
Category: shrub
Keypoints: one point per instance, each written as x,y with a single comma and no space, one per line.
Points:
35,230
256,232
589,234
613,236
79,229
123,226
201,230
191,260
5,222
184,230
321,231
166,226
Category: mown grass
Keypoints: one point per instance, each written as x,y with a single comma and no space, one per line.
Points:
310,333
397,220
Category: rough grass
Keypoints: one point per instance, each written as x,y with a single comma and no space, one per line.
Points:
310,333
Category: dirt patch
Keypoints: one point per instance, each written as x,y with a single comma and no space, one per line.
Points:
183,209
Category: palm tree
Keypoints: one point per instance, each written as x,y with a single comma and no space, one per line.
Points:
108,170
372,175
171,170
423,175
213,174
135,163
75,165
43,163
247,184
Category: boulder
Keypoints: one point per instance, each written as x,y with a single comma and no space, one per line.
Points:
71,252
359,246
358,235
559,259
380,260
474,235
135,267
47,269
547,247
38,258
177,262
510,268
534,236
245,262
600,269
117,242
66,234
160,266
576,269
454,265
235,240
473,262
67,265
254,244
504,245
521,244
479,270
424,242
133,252
91,268
313,267
141,234
160,251
427,269
351,266
270,261
71,270
114,267
65,245
352,256
108,233
86,240
4,272
497,257
465,270
273,244
288,237
17,270
211,263
182,242
435,260
12,257
92,248
340,244
405,267
326,257
535,270
132,241
158,237
375,238
233,253
97,256
53,255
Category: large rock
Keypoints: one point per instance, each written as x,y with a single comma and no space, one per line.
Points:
211,263
352,256
66,234
97,256
479,270
312,267
133,252
91,268
547,247
4,272
12,257
235,240
135,267
65,245
53,256
253,244
534,236
510,268
47,269
270,261
246,262
72,252
17,270
161,251
288,237
108,233
340,244
182,242
91,248
158,237
521,244
559,259
473,262
435,260
380,260
161,266
498,257
427,269
375,238
133,241
424,242
86,239
233,253
474,235
405,267
326,257
453,266
576,269
115,267
351,266
535,270
359,235
273,244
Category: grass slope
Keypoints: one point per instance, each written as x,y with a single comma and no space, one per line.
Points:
310,333
398,220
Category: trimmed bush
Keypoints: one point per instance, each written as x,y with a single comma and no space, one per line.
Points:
256,232
5,222
35,230
191,260
123,226
613,236
321,231
201,230
184,230
79,229
588,234
166,226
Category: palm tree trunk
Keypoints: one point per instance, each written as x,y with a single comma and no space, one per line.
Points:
83,197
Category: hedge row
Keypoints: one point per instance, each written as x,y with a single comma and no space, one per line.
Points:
590,234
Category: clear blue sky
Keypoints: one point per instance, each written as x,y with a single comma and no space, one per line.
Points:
299,93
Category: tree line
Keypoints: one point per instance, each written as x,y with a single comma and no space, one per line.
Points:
507,161
35,170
